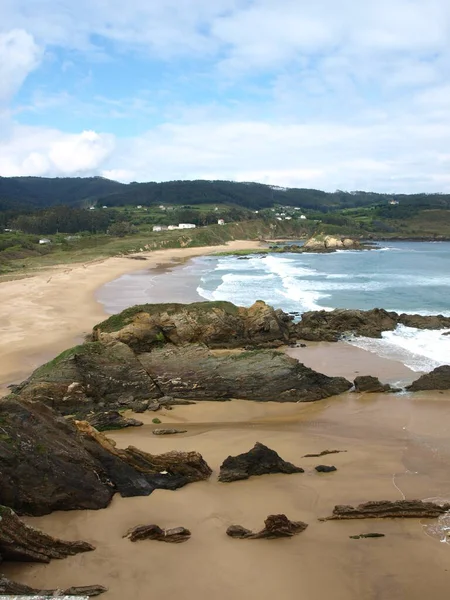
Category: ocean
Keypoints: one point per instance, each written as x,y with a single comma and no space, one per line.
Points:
410,277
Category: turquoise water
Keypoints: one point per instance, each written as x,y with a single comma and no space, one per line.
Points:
409,277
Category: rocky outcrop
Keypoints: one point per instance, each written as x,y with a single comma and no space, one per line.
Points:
214,324
48,463
370,384
111,419
176,535
330,243
19,589
330,326
20,542
275,526
89,377
260,460
383,509
438,379
192,371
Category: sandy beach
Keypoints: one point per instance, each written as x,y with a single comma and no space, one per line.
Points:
395,446
42,315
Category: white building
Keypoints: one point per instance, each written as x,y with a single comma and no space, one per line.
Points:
157,228
220,222
139,206
104,207
302,217
172,227
45,241
186,226
92,208
287,218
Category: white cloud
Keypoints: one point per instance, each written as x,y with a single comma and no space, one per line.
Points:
19,55
47,152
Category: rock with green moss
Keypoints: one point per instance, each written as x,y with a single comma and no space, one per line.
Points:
215,324
81,378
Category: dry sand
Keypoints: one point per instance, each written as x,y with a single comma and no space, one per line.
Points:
42,315
396,446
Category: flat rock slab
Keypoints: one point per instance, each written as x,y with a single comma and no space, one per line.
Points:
383,509
168,431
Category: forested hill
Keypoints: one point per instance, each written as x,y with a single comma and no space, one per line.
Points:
28,193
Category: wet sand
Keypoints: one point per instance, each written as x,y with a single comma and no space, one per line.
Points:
396,446
42,315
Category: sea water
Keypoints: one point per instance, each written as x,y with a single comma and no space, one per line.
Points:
410,277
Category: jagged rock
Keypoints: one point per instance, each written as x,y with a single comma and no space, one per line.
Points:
193,371
366,535
168,431
330,326
446,333
276,526
260,460
325,468
329,243
369,384
110,420
215,324
323,453
21,542
140,406
19,589
438,379
175,535
82,377
382,509
48,463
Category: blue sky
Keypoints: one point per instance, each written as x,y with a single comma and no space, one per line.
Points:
335,94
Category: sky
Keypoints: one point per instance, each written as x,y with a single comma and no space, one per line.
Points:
329,94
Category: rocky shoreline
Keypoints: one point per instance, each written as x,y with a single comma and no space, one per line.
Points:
53,458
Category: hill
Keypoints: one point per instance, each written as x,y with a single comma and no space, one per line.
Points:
30,193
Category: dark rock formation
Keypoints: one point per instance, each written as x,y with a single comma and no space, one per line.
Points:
260,460
19,589
330,326
325,468
367,383
323,453
366,535
168,431
20,542
84,377
276,526
49,463
175,535
192,371
382,509
109,420
438,379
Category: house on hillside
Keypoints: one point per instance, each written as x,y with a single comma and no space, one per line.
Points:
45,241
172,227
139,206
92,208
302,217
186,226
394,202
220,222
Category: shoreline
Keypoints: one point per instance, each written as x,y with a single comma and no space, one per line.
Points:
48,312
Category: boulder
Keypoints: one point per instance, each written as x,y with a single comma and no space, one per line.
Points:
382,509
176,535
49,463
275,526
325,468
367,383
193,371
329,243
260,460
438,379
